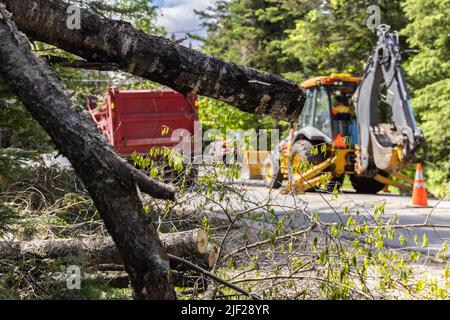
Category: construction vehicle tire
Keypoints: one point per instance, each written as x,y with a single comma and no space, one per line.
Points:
301,151
272,176
303,148
366,185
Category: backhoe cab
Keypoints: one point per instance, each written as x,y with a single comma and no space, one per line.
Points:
363,127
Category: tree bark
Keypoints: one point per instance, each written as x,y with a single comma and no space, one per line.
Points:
121,280
191,244
185,70
3,87
111,182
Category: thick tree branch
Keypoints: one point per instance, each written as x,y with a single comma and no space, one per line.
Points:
109,179
4,89
158,59
149,186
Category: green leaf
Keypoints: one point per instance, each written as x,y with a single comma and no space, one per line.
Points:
425,241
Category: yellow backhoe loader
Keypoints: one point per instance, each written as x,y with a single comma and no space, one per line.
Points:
363,127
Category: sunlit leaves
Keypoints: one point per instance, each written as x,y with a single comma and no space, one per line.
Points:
402,240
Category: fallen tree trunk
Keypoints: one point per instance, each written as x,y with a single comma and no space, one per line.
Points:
118,281
104,40
206,260
185,243
111,182
121,280
192,244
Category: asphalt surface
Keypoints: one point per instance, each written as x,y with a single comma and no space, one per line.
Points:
332,209
361,207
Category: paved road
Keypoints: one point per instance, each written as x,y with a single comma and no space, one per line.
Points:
332,210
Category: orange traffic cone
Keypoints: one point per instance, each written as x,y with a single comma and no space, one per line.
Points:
419,196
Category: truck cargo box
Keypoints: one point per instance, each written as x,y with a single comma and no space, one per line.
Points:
138,120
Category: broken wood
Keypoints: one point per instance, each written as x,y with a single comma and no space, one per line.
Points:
102,40
206,260
118,281
111,182
191,244
185,243
211,255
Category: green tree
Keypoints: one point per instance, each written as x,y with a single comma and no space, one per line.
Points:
429,72
219,115
297,38
246,32
18,129
333,36
141,13
249,32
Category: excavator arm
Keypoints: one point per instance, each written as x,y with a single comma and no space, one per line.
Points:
378,140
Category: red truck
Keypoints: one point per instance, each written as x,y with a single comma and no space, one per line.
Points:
138,120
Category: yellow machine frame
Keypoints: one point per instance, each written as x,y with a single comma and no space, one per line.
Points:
302,181
324,80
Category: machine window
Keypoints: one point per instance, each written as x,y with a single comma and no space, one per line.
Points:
341,101
343,113
307,113
322,119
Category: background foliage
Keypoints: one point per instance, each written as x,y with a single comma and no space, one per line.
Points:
306,38
429,73
296,38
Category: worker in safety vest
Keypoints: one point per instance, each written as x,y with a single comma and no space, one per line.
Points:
339,106
342,115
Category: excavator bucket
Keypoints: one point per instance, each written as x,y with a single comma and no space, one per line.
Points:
379,137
